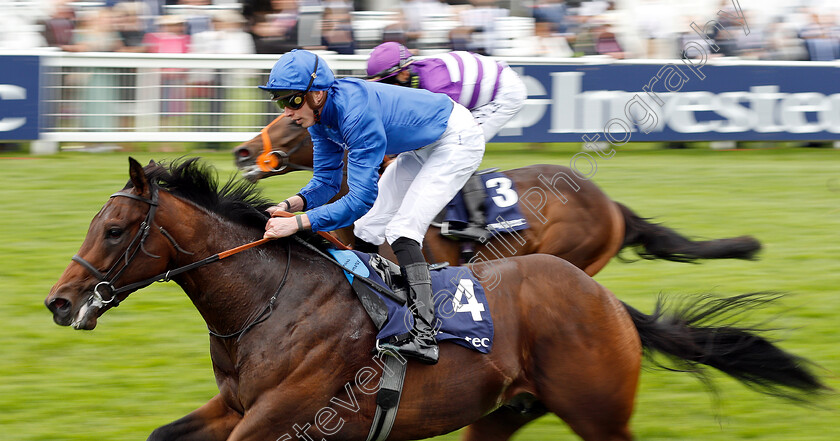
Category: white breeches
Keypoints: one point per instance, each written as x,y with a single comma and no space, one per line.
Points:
417,185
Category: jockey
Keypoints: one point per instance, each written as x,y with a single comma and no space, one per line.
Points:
490,89
439,145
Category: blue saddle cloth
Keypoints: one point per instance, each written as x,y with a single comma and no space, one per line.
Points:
463,314
501,206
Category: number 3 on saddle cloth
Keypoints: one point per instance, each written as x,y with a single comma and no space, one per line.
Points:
461,308
501,207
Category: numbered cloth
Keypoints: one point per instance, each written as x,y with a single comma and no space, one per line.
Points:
501,206
463,315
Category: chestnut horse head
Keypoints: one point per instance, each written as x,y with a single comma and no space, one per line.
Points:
281,147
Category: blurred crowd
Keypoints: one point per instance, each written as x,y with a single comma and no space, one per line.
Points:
789,30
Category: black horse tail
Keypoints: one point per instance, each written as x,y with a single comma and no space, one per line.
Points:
696,333
655,241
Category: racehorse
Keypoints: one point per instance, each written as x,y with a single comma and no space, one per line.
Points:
567,216
289,340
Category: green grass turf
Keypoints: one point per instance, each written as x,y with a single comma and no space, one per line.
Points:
147,363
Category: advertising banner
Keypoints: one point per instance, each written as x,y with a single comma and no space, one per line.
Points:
19,97
677,102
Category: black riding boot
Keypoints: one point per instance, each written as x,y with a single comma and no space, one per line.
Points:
420,344
474,196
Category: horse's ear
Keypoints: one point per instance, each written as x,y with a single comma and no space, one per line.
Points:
138,177
152,162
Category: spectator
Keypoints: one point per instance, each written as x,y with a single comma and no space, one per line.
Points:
276,32
170,38
129,26
476,32
550,43
95,33
553,12
58,28
606,42
723,35
783,43
206,91
337,33
414,16
584,43
752,45
197,17
227,36
689,36
818,39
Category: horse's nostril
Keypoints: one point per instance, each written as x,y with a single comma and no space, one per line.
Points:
59,305
243,153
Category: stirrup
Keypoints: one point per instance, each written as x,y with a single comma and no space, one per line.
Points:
472,233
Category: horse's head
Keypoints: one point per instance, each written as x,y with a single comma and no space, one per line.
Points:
289,148
120,250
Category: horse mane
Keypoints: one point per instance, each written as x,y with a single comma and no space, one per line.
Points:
192,179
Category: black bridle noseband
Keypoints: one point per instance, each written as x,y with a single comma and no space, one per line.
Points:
110,277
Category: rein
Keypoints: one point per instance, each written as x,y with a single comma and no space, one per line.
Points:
330,238
373,285
276,161
266,312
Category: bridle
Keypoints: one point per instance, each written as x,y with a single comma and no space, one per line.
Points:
137,243
276,160
109,278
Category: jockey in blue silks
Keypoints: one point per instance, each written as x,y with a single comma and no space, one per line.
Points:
439,146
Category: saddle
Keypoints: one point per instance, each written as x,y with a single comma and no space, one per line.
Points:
486,206
382,290
461,306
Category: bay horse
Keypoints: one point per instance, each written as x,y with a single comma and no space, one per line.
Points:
289,341
568,217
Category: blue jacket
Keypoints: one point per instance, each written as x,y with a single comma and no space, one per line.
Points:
369,120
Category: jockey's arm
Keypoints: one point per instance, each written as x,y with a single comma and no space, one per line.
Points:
366,139
327,173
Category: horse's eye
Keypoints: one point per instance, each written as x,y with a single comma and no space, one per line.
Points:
114,233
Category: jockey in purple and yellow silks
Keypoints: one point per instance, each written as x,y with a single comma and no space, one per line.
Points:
439,145
490,89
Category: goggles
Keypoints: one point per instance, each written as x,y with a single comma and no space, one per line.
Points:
388,75
293,99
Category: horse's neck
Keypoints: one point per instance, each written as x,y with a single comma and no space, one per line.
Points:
230,292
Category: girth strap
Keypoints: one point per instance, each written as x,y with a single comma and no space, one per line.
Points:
388,397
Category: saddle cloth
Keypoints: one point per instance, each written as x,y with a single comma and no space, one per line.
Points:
501,206
461,308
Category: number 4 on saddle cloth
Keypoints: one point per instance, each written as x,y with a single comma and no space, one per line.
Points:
488,203
461,308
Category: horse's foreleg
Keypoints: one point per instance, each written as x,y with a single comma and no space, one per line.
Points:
211,422
500,424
